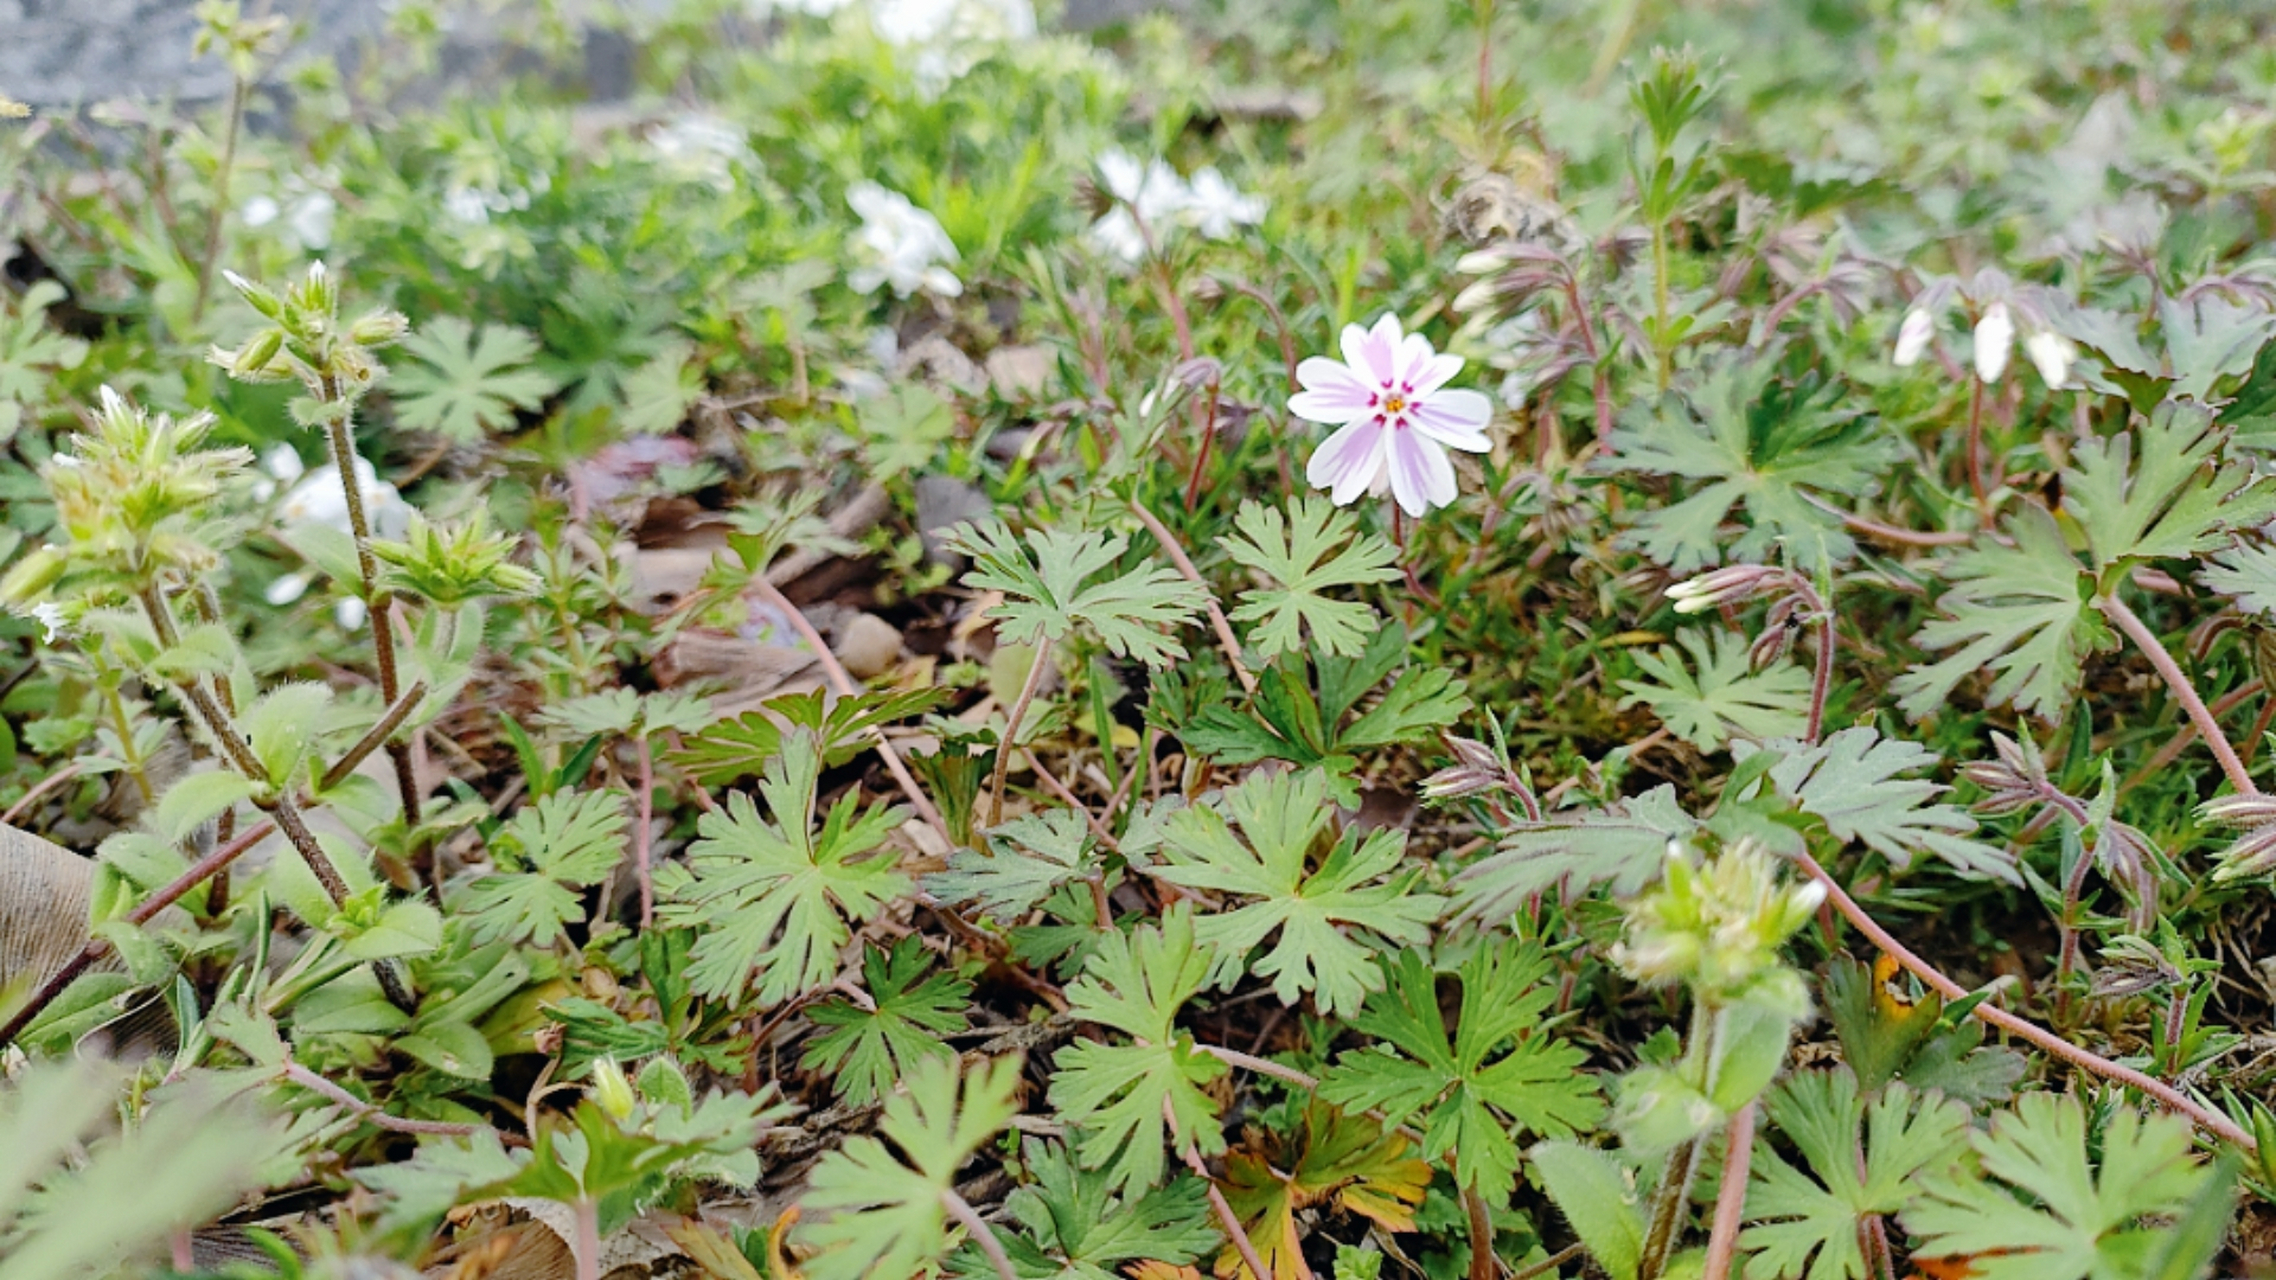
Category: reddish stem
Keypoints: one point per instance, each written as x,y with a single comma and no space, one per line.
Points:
1731,1197
642,837
97,948
1987,1012
1201,455
2184,692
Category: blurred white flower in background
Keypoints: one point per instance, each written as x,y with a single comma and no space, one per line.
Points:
50,616
317,498
1152,193
899,245
2007,310
913,22
475,203
702,147
307,213
950,37
1219,209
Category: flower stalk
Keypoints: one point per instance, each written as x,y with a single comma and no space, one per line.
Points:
2183,691
1991,1014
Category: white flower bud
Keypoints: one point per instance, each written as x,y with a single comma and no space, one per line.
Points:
1995,338
2052,353
1913,336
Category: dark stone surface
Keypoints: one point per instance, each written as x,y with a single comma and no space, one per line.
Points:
60,53
63,53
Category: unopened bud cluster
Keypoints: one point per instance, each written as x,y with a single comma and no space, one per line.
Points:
306,342
1717,926
134,501
2254,852
1794,602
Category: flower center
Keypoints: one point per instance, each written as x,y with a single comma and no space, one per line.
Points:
1394,404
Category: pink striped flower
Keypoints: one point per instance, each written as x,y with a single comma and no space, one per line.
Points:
1397,417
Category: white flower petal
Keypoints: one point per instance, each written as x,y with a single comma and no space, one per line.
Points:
1379,350
1419,473
1348,461
1453,433
286,589
1121,173
283,462
1436,372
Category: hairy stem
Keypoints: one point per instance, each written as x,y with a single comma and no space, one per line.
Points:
1483,1264
588,1250
1201,455
380,606
1666,1213
1226,1218
1600,385
1731,1196
843,683
1991,1014
1976,450
1550,1263
2176,1026
1821,678
1027,691
1227,642
642,837
2183,692
2074,888
1261,1066
982,1234
1663,354
45,785
373,737
295,1073
222,727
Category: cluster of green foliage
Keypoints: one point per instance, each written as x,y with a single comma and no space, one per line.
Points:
1794,815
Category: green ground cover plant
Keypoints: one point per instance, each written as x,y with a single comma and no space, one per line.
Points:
1321,640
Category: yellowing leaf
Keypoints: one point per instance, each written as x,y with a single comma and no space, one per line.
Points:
1344,1161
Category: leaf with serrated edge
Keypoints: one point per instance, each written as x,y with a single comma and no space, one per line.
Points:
2019,612
2072,1219
1306,555
1712,434
461,386
1125,1098
1727,697
872,1215
768,898
1052,586
1851,782
1330,922
863,1051
1470,1088
1803,1222
1623,845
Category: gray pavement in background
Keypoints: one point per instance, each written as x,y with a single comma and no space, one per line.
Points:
56,53
61,53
